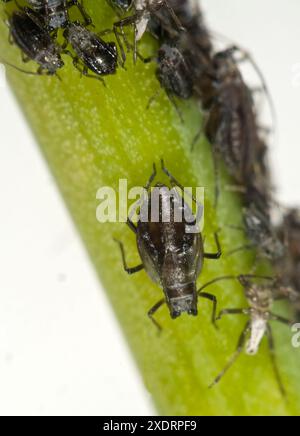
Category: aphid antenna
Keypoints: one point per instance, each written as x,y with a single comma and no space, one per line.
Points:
239,278
15,67
232,360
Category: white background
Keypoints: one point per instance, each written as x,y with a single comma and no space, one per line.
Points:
55,321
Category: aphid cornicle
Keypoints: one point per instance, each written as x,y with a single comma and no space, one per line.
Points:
171,256
28,33
92,52
260,297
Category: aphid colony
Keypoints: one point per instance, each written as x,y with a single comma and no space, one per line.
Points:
188,66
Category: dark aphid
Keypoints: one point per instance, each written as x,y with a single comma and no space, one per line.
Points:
260,230
173,74
92,53
260,297
56,12
194,43
171,256
28,33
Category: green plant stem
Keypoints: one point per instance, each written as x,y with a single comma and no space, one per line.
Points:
92,136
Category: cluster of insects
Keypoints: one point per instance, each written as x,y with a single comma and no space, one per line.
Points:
187,66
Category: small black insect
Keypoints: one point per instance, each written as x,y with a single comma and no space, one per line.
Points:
173,74
171,256
260,231
260,297
28,33
92,53
56,12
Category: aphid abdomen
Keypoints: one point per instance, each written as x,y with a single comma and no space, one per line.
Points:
171,256
258,330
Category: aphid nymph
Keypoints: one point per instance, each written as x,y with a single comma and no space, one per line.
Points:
92,53
260,297
29,34
171,256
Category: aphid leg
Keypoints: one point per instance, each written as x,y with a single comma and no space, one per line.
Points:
119,25
151,178
126,268
10,39
79,4
218,254
211,282
282,320
84,71
214,300
240,346
131,225
153,98
197,138
121,48
225,312
174,103
153,310
174,16
273,360
173,179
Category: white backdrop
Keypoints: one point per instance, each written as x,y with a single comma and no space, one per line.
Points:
61,349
